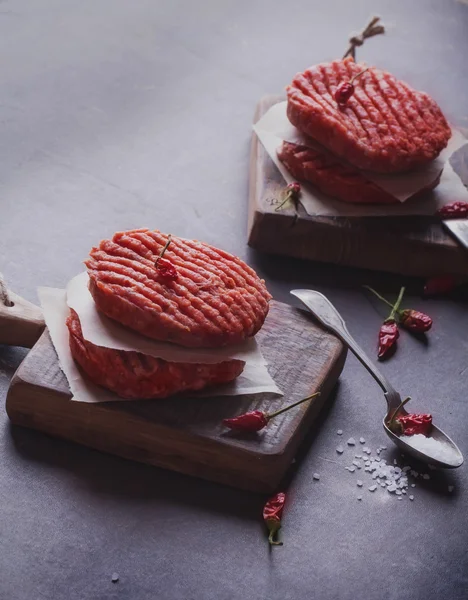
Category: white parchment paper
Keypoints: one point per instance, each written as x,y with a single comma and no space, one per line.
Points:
274,128
255,378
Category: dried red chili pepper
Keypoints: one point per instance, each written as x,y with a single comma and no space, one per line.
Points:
291,192
410,424
257,420
415,321
440,286
454,210
410,319
345,89
389,333
272,513
165,268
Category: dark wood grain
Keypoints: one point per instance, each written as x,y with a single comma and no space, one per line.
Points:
185,434
406,245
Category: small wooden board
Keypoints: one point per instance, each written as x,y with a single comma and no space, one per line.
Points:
186,434
406,245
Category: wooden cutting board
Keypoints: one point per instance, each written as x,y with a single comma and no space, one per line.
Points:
406,245
185,434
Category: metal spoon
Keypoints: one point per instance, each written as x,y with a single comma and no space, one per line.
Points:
329,317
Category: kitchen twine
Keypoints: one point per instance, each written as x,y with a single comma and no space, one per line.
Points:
373,28
4,295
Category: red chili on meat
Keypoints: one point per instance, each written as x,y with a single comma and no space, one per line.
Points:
345,89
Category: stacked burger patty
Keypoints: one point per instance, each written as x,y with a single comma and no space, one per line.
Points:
213,301
384,127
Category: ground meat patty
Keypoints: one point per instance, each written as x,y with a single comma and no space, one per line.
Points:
331,176
216,300
385,126
136,375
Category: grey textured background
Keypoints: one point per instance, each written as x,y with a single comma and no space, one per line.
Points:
116,114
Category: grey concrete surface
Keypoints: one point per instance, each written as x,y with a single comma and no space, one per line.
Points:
116,114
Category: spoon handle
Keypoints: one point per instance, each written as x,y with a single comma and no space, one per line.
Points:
327,315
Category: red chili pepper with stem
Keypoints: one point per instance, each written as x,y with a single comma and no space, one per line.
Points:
440,286
165,268
410,424
257,420
292,192
410,319
454,210
272,513
389,333
345,89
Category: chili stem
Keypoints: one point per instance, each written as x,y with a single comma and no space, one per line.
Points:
357,75
166,245
396,306
288,197
378,295
271,539
398,409
282,410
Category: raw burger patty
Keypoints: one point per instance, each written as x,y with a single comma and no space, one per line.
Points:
217,299
331,176
385,126
136,375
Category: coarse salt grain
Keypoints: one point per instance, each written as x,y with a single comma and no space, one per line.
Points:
359,483
351,442
316,476
432,448
357,464
362,440
451,488
339,432
411,497
350,469
340,449
359,497
372,488
413,485
426,476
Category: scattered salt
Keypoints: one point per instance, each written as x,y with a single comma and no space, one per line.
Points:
362,440
340,432
359,497
358,456
398,492
372,488
413,485
115,577
351,442
350,469
340,449
357,464
426,476
399,498
359,483
316,476
411,497
451,488
394,461
433,448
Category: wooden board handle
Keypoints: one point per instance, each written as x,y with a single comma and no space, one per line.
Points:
21,322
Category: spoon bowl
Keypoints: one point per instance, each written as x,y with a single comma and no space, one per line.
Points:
449,462
446,453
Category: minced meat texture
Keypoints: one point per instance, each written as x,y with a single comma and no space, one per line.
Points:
134,375
385,126
216,299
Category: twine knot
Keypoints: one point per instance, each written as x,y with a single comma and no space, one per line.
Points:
373,28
